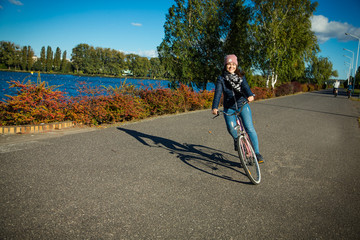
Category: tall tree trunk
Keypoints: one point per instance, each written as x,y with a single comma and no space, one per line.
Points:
274,80
267,81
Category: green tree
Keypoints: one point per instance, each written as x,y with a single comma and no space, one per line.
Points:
357,77
129,61
43,59
57,59
81,58
199,33
77,56
156,69
87,59
335,73
93,65
105,56
24,58
30,58
192,49
9,54
49,59
63,66
115,62
139,66
236,33
17,59
282,38
320,70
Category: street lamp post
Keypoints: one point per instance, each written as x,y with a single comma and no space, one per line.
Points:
352,61
349,73
357,58
350,67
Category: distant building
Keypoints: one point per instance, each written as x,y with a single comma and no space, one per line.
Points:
127,73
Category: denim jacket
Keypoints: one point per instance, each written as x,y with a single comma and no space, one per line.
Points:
223,86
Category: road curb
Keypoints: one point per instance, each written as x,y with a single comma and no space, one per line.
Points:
46,127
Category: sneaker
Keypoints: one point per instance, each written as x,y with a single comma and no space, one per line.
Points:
236,145
259,158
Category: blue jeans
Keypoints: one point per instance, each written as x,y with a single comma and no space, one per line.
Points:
248,124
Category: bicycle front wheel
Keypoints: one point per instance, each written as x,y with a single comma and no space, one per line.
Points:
248,160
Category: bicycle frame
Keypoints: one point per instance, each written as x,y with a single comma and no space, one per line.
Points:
242,132
246,152
239,124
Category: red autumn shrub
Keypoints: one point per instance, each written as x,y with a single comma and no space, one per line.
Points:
34,104
190,99
304,87
87,110
296,87
262,93
88,106
94,105
284,89
167,101
208,97
161,101
122,108
311,87
3,113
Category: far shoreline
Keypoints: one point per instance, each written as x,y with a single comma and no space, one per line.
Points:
85,75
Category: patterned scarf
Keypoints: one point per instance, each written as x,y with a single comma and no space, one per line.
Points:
234,80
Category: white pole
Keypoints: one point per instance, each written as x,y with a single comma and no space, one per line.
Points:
357,58
350,67
349,73
356,67
352,61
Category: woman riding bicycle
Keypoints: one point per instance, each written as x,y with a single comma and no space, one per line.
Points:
232,83
336,88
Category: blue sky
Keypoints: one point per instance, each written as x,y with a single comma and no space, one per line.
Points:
137,26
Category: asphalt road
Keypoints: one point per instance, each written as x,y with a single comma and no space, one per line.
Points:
176,177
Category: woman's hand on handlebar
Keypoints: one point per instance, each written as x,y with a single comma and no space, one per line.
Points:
250,99
215,111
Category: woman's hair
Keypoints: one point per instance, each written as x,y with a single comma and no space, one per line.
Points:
237,71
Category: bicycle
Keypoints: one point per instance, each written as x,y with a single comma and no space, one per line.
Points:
348,91
245,149
335,92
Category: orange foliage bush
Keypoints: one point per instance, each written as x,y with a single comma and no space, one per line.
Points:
36,103
288,88
304,87
262,93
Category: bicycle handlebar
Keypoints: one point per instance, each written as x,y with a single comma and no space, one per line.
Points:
235,113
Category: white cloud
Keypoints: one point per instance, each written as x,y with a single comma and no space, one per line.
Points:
16,2
149,53
143,53
136,24
325,29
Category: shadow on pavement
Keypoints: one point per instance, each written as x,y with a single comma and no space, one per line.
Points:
202,158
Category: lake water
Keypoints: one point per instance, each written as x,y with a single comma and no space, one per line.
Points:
68,83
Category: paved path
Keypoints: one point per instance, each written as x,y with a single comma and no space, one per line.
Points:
176,177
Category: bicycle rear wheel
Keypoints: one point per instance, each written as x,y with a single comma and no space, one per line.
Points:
248,160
